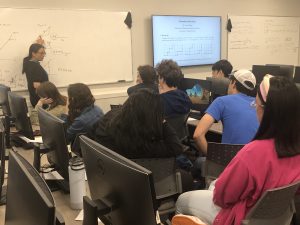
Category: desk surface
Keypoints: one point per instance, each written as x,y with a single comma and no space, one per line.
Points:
216,127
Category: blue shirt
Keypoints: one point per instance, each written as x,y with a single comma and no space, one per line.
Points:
85,122
238,117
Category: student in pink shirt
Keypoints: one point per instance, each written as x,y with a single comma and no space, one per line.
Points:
271,160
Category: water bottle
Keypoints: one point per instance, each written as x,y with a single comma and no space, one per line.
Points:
77,182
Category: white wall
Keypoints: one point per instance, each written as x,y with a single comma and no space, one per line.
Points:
141,29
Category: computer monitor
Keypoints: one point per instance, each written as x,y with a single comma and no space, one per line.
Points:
19,111
297,74
53,131
120,183
219,86
4,100
29,200
284,70
2,165
260,71
199,92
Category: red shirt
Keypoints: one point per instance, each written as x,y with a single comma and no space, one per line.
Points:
255,169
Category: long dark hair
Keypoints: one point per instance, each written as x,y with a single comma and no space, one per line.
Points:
34,48
138,122
49,90
281,118
80,97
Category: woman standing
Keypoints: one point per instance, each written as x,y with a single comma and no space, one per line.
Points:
35,73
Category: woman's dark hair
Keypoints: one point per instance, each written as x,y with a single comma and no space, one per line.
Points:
241,87
49,90
148,74
139,121
34,48
223,65
170,72
80,97
281,120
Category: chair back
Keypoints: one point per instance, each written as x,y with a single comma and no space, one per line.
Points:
218,157
115,106
179,124
167,181
275,207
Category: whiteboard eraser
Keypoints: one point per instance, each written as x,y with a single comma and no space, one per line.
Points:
121,81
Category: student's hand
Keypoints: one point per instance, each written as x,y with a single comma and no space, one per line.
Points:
46,101
40,40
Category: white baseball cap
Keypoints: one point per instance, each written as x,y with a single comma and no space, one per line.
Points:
245,77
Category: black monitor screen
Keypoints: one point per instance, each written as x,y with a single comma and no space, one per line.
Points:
19,111
260,71
297,74
2,156
199,92
284,70
29,200
4,99
53,132
121,183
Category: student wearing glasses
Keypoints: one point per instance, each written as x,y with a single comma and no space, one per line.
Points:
35,73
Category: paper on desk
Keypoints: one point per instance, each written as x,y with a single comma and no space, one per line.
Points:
54,175
37,139
80,217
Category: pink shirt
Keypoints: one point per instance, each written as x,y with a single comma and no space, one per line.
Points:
255,169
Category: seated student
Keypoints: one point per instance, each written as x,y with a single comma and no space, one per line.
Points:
221,69
238,117
82,113
176,102
220,78
271,160
138,129
51,98
146,78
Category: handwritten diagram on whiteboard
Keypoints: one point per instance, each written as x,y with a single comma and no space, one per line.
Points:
263,40
81,45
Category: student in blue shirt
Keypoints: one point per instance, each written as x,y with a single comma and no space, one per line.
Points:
234,110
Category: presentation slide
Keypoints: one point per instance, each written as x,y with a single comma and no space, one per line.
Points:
188,40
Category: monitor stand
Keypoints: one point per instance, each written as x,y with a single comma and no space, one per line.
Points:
94,210
56,185
3,196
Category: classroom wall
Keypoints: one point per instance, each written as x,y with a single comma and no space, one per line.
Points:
141,29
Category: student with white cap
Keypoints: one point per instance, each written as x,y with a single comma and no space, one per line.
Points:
238,117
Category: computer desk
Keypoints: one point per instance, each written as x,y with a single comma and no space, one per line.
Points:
215,128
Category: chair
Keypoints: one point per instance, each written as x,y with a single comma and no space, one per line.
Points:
218,157
167,181
179,124
112,107
297,74
275,207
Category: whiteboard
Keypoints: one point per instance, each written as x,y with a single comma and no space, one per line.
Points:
259,40
86,46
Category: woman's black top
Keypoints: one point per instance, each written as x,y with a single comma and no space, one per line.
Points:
34,73
168,146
